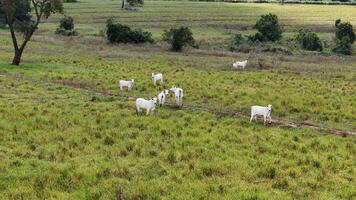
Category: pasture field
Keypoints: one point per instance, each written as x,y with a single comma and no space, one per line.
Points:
61,137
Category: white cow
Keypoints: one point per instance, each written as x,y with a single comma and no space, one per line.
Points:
240,65
162,97
149,105
263,111
157,77
178,93
128,84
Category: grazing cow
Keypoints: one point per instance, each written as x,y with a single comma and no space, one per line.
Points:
162,97
128,84
149,105
157,77
178,93
240,65
260,110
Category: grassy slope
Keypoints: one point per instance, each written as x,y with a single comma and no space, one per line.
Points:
56,143
102,149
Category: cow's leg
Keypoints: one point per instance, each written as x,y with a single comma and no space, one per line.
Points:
148,112
252,117
264,119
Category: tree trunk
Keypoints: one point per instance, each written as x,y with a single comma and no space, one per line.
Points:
17,57
123,4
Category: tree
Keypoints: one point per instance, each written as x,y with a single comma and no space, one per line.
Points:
132,3
66,26
344,37
344,29
268,28
120,33
20,20
309,40
179,38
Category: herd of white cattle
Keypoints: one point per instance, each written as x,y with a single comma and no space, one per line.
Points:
150,105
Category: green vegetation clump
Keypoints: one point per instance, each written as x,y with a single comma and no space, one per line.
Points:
135,2
66,26
239,43
179,38
119,33
268,29
344,37
309,40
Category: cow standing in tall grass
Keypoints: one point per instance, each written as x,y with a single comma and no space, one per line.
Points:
240,64
162,97
149,105
157,77
128,84
262,111
178,93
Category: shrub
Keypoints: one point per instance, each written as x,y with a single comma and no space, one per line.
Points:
135,2
66,26
268,28
344,29
344,37
119,33
239,43
67,23
179,38
309,40
343,46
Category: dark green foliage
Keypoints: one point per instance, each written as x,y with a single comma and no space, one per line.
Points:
66,26
70,1
268,28
309,40
344,29
135,2
236,42
17,15
344,37
119,33
179,38
343,46
67,23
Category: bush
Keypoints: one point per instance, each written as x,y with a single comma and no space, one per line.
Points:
239,43
66,26
179,38
268,29
343,46
135,2
344,29
67,23
344,37
309,40
119,33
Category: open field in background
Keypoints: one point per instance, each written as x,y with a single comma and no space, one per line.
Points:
57,142
212,23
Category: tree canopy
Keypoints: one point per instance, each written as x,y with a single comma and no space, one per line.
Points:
17,15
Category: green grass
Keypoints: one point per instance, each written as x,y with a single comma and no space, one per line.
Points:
59,140
101,150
